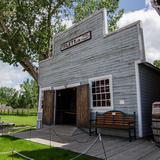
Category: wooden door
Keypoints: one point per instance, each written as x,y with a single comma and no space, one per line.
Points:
48,107
83,106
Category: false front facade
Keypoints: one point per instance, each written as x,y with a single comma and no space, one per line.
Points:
92,70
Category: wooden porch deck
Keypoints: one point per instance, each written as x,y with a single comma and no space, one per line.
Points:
116,148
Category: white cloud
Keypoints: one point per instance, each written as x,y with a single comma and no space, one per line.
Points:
148,2
151,29
68,23
11,76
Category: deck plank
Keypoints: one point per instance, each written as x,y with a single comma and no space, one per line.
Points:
136,152
116,148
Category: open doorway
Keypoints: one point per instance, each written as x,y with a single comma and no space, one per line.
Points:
66,106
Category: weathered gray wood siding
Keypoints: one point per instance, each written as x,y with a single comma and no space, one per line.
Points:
113,54
150,92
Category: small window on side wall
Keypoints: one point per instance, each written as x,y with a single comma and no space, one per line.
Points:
101,92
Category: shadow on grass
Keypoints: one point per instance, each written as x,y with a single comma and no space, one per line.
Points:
51,154
23,129
23,125
9,137
19,129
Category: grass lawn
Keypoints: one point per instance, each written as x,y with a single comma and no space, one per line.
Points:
34,150
20,120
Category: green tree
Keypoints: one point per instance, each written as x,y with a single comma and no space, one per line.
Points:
85,8
29,94
14,100
8,96
157,63
25,98
26,27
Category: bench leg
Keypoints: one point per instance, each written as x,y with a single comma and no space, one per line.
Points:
135,137
130,136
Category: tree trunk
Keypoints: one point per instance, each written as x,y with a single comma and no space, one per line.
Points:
32,70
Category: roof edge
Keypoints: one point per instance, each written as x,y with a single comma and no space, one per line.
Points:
151,66
139,22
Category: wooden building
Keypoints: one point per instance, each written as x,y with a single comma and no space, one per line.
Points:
92,70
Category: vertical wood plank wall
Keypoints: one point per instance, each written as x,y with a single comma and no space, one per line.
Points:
150,92
83,105
48,107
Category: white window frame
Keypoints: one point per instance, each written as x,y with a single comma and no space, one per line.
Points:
111,92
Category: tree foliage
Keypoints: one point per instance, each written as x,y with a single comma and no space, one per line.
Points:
85,8
157,63
7,95
25,98
29,93
26,27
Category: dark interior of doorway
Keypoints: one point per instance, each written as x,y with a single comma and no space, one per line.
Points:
66,106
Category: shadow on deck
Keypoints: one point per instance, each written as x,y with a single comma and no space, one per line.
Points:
78,141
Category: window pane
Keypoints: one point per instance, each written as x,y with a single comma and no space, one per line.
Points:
108,96
93,84
99,104
97,90
94,103
102,82
102,89
98,97
107,82
94,97
103,103
97,83
107,88
103,96
108,103
93,90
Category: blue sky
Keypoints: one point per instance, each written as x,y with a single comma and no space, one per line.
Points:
132,5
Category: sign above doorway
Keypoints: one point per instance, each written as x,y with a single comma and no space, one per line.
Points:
82,38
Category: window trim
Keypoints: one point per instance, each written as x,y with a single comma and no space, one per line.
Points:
111,92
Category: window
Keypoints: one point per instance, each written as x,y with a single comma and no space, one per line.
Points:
101,92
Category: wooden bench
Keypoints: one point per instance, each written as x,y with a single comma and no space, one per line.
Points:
114,120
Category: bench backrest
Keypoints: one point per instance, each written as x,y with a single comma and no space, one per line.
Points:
114,117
